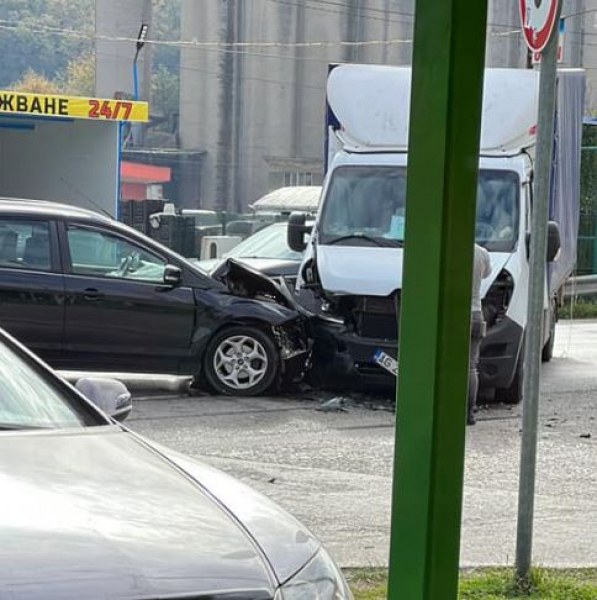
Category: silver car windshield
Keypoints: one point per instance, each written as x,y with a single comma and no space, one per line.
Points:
28,400
269,242
365,205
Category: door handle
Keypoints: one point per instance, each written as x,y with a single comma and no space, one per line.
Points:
92,294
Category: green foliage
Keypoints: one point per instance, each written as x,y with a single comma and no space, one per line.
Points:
79,77
35,83
26,43
166,26
164,92
581,308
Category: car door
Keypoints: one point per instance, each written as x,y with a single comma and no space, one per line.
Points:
119,314
31,284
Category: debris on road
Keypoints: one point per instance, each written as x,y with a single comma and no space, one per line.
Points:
336,404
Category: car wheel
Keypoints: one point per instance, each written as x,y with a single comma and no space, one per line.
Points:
547,352
241,361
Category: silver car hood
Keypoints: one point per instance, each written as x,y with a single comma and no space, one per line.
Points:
286,542
96,514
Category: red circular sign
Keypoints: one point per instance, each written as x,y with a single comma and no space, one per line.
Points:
538,18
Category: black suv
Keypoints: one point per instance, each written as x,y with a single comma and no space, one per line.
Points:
87,292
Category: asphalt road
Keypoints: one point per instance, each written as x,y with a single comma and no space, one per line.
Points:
333,470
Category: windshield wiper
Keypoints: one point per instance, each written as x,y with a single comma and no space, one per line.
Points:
382,243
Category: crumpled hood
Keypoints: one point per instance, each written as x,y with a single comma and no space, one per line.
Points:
372,271
96,514
243,281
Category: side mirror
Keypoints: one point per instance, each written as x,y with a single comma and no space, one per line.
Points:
297,230
172,276
554,242
109,395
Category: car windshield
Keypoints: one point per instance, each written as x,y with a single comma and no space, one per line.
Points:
30,399
269,242
365,206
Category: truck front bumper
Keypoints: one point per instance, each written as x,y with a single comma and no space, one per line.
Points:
342,359
500,352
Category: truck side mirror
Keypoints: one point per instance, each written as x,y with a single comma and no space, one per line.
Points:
553,241
297,230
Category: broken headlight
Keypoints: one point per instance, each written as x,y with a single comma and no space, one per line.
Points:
498,297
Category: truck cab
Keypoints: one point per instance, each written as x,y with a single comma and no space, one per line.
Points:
353,261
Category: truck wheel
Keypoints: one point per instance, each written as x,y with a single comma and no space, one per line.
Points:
513,393
241,361
547,352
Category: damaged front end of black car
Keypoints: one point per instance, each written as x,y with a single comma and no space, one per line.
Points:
260,345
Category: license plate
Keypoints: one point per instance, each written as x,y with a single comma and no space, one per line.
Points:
386,361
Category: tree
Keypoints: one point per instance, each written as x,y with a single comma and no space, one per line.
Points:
36,83
164,92
79,77
36,35
166,26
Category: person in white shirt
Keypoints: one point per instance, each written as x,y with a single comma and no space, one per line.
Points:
481,270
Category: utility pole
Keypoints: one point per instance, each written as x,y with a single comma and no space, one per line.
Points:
534,328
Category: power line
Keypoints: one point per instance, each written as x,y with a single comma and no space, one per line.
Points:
580,13
197,44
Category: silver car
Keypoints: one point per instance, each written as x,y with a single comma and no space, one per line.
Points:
89,509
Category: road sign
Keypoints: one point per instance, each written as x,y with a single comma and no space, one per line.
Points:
560,50
538,18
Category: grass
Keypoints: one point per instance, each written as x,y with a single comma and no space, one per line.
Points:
582,308
492,584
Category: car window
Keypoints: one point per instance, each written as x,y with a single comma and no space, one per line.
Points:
101,254
29,399
269,242
25,244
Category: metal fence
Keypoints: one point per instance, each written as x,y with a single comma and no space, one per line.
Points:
586,255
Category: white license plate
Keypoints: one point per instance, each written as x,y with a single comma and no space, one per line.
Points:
386,361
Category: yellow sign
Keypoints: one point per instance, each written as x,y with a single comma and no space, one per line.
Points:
19,103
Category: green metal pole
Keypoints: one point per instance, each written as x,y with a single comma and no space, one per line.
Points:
448,58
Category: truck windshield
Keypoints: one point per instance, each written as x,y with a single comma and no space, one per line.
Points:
365,206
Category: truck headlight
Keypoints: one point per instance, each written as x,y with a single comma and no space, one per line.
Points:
498,297
320,579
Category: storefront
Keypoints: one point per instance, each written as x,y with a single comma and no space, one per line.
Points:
63,148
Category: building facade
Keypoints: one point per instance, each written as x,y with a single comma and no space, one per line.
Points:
253,80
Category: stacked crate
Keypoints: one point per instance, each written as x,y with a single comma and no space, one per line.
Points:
135,213
178,233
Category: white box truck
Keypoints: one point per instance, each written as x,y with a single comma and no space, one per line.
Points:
353,260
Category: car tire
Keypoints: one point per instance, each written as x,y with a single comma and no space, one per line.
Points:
547,352
241,361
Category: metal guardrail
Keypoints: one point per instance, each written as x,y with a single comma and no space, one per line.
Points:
583,285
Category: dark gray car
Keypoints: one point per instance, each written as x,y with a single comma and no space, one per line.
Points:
86,292
90,510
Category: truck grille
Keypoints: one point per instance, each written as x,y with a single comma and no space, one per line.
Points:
377,317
